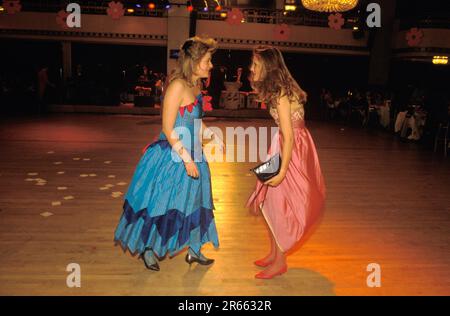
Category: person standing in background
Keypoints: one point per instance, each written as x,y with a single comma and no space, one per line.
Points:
42,83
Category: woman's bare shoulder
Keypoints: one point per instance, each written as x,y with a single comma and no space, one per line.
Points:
177,84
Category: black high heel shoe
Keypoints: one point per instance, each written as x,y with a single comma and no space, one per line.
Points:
196,258
151,266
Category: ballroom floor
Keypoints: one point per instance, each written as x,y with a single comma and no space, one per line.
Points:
62,180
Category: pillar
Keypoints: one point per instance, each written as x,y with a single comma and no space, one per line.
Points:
66,60
381,50
177,29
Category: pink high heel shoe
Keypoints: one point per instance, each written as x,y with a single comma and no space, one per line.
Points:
261,263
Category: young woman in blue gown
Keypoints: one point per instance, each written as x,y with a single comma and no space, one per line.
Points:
169,206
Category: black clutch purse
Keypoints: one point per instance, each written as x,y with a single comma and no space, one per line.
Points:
268,169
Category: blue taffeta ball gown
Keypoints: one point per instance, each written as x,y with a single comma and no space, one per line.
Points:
165,209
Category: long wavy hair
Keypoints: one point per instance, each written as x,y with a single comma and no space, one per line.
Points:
276,80
191,52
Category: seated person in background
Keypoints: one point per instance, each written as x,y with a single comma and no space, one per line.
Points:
145,76
243,78
238,76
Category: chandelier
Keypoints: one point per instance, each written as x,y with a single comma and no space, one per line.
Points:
330,5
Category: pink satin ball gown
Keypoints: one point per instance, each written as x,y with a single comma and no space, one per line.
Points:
294,206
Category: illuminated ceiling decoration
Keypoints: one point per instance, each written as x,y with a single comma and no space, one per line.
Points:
330,5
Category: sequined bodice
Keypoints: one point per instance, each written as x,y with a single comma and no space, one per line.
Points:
297,115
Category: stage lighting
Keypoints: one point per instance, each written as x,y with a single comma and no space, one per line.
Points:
357,27
218,6
151,6
440,60
189,6
130,10
290,5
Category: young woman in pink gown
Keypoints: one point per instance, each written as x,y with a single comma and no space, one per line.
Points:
292,201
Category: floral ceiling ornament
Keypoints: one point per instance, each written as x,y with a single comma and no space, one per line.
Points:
235,17
414,37
336,21
12,6
61,19
282,32
115,10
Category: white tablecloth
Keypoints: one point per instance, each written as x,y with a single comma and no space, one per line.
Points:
416,122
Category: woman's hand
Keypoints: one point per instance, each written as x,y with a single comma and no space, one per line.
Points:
284,114
191,169
276,180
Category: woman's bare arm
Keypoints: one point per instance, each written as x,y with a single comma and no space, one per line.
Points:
284,114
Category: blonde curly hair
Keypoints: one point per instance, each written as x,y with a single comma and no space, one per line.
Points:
191,52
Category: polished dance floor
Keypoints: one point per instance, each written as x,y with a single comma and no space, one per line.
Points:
62,180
